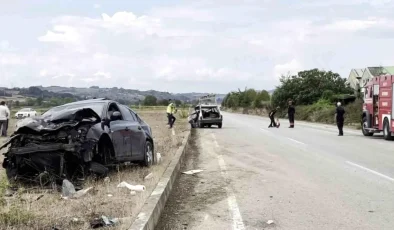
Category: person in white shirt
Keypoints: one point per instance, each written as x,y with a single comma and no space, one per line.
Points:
4,115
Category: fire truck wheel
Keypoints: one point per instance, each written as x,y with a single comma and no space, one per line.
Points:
386,131
365,125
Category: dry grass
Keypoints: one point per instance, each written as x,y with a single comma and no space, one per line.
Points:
43,209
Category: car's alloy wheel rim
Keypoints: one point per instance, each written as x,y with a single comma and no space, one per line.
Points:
149,154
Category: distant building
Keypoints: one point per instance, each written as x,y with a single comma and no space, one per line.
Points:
359,77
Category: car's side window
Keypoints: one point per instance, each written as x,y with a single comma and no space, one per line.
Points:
125,113
113,108
133,115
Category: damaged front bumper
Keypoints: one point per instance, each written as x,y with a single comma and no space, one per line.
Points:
57,160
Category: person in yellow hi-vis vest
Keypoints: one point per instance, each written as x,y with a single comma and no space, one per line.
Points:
171,110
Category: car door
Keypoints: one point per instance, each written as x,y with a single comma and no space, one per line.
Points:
120,134
136,132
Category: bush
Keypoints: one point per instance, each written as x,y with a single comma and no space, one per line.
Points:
323,111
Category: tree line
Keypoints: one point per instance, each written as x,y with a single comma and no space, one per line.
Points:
151,100
246,98
305,88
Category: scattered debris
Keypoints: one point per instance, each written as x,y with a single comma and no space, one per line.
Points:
107,180
132,188
68,190
371,211
270,222
191,172
158,155
81,193
149,176
9,192
110,195
103,221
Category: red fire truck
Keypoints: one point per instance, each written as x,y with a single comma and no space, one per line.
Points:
377,108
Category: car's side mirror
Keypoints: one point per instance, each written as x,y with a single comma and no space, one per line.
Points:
116,116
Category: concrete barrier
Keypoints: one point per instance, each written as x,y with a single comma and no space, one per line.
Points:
154,205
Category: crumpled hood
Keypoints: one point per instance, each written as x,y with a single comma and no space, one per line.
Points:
56,120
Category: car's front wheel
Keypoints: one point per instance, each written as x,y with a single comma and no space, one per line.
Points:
148,154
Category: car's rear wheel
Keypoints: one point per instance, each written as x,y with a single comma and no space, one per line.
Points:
220,125
148,154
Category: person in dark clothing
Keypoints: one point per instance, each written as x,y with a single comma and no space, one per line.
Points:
290,113
339,115
271,115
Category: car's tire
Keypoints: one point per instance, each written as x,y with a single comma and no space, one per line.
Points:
220,125
105,152
386,131
148,154
363,126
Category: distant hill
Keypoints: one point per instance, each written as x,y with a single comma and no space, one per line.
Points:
119,94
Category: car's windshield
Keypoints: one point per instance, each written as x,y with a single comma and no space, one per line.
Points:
97,107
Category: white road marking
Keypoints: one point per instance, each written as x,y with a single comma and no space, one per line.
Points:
173,132
370,170
299,142
238,223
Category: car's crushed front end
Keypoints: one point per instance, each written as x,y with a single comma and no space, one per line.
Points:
49,149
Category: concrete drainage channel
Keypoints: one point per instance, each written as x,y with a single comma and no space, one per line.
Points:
154,205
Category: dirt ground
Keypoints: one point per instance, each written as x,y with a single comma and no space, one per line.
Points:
35,208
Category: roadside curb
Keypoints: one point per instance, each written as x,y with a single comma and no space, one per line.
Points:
154,205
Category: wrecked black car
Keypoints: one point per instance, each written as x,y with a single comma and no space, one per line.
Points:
75,139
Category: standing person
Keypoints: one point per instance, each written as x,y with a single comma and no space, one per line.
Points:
339,115
171,110
290,113
4,114
271,115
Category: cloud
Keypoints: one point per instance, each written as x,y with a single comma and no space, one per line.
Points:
96,6
198,46
290,68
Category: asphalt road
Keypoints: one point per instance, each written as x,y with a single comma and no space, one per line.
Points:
301,178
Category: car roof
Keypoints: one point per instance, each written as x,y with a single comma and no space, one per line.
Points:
103,100
209,106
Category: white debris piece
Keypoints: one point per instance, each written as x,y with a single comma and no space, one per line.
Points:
68,188
137,188
158,155
81,192
270,222
149,176
193,171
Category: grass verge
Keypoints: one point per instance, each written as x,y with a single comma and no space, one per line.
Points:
34,208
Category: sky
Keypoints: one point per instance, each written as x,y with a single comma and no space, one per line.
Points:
188,46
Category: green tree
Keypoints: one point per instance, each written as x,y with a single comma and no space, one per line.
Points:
309,86
261,97
150,100
39,101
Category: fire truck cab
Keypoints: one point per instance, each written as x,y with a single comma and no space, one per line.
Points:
377,113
